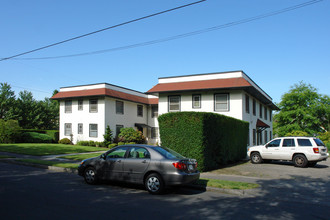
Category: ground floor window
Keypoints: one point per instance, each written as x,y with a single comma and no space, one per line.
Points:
154,132
92,130
67,129
80,128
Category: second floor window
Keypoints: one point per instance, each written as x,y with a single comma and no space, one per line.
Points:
254,106
154,111
93,106
247,104
80,105
174,103
221,102
119,107
260,112
140,110
68,106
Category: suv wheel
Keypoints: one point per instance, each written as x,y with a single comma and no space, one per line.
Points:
256,158
300,160
154,184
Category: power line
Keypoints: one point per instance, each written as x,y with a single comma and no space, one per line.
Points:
246,20
104,29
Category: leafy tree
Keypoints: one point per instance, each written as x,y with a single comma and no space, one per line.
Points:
107,136
302,110
9,131
131,135
7,100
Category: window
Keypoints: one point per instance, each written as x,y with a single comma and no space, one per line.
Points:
138,153
304,143
93,106
247,104
221,102
154,111
119,107
80,128
266,136
266,116
92,130
270,135
270,115
67,129
68,106
196,101
118,153
154,132
274,143
140,110
288,143
260,112
80,105
254,106
118,127
254,136
174,103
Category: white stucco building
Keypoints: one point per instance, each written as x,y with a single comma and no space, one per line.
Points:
86,110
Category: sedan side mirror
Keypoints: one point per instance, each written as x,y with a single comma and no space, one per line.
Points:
103,156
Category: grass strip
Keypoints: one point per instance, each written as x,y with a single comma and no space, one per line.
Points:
5,156
80,157
47,149
50,163
225,184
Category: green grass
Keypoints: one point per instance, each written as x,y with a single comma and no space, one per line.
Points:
81,157
5,156
47,149
50,163
224,184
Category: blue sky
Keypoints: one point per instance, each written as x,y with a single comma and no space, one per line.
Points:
276,52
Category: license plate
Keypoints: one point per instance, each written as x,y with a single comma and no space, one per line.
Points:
190,167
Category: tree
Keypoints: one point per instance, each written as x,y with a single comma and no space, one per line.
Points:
302,110
131,135
107,136
7,100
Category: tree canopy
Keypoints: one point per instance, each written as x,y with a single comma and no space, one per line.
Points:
303,111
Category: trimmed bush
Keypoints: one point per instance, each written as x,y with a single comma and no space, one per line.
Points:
54,134
83,143
9,131
121,143
212,139
131,135
65,141
112,145
34,137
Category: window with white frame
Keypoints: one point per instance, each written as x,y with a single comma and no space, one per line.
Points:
92,130
119,107
196,101
68,106
174,103
67,129
221,102
80,105
93,105
80,128
140,110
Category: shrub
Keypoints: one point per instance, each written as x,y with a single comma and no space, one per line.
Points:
65,141
121,143
131,135
83,143
9,131
91,143
112,145
99,144
212,139
54,134
34,137
107,136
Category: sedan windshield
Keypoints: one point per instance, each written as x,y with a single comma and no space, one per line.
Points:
168,153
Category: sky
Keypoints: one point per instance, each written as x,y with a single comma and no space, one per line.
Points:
276,52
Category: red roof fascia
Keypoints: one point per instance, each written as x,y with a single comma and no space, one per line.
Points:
104,92
200,85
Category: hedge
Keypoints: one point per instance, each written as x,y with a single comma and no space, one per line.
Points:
211,138
34,137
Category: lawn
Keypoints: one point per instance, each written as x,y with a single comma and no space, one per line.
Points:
80,157
225,184
47,149
50,163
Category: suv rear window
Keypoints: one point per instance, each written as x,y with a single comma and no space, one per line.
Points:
304,143
318,142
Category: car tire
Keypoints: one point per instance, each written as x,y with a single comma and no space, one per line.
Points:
154,184
300,160
256,158
90,175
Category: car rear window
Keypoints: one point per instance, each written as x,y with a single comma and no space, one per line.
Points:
319,142
304,143
168,153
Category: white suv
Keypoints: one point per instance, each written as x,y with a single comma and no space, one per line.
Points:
302,151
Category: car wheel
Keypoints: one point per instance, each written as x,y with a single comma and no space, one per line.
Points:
300,160
256,158
90,175
154,184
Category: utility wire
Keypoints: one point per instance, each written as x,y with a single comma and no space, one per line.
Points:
104,29
246,20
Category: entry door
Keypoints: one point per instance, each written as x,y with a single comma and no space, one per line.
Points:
114,164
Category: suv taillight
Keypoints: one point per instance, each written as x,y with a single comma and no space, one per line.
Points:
316,150
180,165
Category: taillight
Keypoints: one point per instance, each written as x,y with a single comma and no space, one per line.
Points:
316,150
180,165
